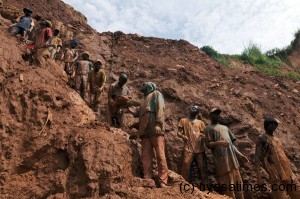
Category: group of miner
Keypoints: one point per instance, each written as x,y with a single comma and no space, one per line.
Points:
88,79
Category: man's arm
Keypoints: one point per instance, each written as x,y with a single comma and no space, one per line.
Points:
160,111
75,69
110,95
59,45
180,133
240,155
258,154
76,56
210,143
232,137
49,36
103,80
31,25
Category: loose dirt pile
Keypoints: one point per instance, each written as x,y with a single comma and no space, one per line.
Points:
77,156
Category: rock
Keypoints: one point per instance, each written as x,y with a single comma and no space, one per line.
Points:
139,182
215,85
237,93
295,91
178,66
250,106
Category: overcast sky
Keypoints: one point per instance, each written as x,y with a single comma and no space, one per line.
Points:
226,25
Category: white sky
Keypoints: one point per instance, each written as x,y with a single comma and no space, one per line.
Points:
226,25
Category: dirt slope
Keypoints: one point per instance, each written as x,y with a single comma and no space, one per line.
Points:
80,157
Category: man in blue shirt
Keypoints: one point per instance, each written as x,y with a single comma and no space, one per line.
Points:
25,23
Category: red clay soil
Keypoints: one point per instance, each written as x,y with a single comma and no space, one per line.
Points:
78,156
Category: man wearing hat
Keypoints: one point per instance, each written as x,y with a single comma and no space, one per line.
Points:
42,42
191,130
151,132
270,153
220,140
119,99
69,57
96,82
25,23
56,43
81,70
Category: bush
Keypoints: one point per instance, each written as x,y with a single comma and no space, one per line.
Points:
253,55
215,55
210,52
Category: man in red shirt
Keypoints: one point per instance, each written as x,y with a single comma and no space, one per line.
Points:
42,41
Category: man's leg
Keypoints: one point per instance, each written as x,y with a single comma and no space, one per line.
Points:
77,83
15,30
84,87
227,179
186,164
201,166
277,194
42,55
97,102
147,156
53,52
158,143
293,188
40,58
239,193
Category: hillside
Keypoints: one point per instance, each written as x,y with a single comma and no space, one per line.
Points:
80,157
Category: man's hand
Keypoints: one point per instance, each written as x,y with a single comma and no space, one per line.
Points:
185,138
222,143
245,159
157,130
100,89
48,43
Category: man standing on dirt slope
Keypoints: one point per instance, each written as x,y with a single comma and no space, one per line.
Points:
270,153
119,98
69,57
80,73
56,43
42,42
220,140
96,82
191,130
24,24
151,131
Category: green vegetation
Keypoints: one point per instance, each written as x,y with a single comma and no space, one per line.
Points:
215,55
267,63
253,55
284,52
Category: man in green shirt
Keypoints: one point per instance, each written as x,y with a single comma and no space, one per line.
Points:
220,140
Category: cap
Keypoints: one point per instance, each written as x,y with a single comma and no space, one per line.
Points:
85,53
217,110
27,9
74,42
98,61
47,23
269,120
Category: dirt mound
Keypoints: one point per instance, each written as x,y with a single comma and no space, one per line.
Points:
77,156
46,9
